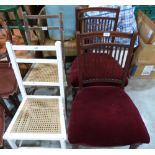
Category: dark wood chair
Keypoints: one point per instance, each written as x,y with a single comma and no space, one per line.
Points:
104,115
8,83
93,23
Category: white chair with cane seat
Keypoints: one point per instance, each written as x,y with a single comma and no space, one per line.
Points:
38,117
40,30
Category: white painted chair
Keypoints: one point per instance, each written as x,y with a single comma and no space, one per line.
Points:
38,117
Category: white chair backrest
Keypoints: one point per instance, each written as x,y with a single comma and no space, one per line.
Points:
15,61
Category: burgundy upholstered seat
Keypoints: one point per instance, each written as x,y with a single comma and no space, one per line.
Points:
105,116
8,82
2,124
107,63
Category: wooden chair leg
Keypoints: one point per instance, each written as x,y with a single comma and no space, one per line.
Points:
74,91
8,112
66,106
1,147
31,90
14,100
75,146
134,146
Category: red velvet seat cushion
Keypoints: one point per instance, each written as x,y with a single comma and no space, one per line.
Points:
2,121
107,64
105,116
8,82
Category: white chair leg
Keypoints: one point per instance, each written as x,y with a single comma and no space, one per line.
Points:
63,144
20,143
12,143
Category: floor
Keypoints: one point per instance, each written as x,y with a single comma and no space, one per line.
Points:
141,92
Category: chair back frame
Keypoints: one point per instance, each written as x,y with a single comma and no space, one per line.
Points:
44,28
96,23
57,48
103,43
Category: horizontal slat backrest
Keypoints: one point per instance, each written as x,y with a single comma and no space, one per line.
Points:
34,48
29,26
14,61
41,26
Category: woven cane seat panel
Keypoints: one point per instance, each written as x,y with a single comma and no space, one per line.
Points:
43,73
38,116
